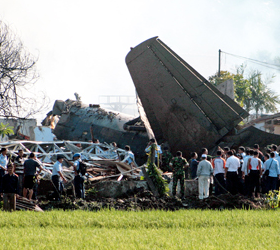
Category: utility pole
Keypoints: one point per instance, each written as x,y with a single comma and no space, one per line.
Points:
219,68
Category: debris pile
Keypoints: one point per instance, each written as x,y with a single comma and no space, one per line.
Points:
25,204
106,169
224,201
103,160
142,199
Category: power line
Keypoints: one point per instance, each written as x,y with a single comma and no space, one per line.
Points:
256,61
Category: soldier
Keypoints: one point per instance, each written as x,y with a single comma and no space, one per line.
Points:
178,163
166,159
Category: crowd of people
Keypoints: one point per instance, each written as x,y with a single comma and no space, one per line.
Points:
19,176
249,171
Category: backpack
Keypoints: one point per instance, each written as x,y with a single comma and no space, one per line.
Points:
82,168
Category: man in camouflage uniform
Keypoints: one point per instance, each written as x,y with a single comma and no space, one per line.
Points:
178,163
166,159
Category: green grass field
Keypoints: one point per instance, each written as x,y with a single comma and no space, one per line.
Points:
192,229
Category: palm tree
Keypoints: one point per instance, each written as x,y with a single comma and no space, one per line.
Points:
262,98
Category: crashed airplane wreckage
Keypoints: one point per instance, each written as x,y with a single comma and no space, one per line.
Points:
182,107
177,106
80,122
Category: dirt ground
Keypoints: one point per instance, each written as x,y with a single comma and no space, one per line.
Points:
141,199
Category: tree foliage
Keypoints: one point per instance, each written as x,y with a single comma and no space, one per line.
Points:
155,174
17,77
251,91
5,129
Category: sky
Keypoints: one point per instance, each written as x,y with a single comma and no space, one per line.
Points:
81,45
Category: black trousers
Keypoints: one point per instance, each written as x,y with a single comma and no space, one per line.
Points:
247,186
254,179
57,187
220,183
2,172
271,183
79,186
232,182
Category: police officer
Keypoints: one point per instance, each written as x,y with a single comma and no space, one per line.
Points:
79,179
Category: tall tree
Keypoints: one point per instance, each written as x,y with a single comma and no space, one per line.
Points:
251,92
262,98
17,77
224,76
241,85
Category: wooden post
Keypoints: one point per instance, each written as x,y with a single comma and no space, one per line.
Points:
150,182
151,160
153,154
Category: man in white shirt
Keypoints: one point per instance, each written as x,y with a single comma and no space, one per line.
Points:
254,169
158,151
219,173
56,175
129,157
232,165
245,176
204,172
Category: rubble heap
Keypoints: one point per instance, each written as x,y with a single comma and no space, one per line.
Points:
141,199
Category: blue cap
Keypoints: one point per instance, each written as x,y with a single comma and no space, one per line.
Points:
77,155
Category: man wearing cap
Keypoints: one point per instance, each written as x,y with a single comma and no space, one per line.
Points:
56,175
204,172
79,179
30,175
